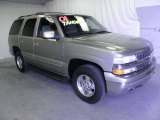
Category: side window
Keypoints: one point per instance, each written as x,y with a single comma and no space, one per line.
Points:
28,29
16,27
46,24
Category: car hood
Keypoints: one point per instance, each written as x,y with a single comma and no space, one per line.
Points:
113,42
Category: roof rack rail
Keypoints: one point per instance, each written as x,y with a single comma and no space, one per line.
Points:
46,13
26,16
42,13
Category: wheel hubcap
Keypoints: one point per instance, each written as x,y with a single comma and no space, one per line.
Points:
86,85
19,62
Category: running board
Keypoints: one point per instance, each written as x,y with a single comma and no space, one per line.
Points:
49,73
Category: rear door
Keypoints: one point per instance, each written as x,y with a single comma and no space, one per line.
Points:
26,39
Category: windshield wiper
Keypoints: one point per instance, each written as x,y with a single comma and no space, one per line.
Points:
98,32
102,32
87,33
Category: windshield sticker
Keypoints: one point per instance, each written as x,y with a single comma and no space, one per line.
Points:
65,21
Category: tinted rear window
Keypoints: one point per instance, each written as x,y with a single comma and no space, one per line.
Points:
28,29
16,27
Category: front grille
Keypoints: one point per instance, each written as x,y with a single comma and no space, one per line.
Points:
144,59
143,54
144,63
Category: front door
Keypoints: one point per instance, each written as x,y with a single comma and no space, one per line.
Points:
48,52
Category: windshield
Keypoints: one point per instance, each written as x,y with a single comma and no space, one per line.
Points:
79,25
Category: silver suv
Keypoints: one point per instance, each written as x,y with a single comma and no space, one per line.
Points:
79,48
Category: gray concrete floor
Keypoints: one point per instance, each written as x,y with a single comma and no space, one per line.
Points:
33,96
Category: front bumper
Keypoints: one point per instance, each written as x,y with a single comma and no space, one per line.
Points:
122,84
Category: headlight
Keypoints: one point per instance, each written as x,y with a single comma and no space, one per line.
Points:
124,60
118,67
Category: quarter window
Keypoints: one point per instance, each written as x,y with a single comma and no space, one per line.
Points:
16,27
29,27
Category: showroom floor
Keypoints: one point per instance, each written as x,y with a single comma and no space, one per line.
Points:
33,96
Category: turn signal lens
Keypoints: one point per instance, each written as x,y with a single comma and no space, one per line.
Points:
124,71
118,72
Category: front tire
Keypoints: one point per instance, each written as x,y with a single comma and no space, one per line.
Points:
88,83
20,62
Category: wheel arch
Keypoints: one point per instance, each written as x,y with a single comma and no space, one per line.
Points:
75,63
16,49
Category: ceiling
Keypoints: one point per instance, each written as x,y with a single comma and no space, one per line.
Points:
34,2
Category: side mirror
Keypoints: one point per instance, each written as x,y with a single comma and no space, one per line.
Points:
50,35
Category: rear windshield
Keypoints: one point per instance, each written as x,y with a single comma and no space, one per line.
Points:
16,27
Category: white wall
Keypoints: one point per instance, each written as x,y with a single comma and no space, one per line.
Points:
117,15
149,17
8,13
145,3
150,22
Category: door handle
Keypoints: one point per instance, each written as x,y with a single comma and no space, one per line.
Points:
21,41
35,43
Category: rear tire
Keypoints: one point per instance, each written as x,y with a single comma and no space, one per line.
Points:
20,62
88,83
